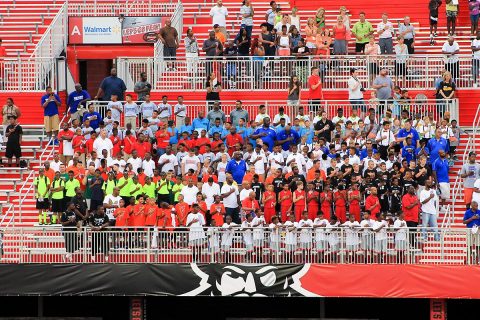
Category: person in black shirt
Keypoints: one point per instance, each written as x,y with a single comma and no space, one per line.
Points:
13,133
243,42
99,223
80,207
324,127
317,182
258,187
69,230
395,196
278,183
230,52
382,193
292,180
423,172
408,181
96,184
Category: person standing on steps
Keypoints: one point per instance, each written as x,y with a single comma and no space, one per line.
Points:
111,85
50,103
470,172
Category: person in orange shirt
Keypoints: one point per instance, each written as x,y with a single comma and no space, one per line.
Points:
182,209
138,217
217,211
89,142
151,213
250,204
286,200
272,175
140,146
299,200
121,215
311,172
269,202
202,205
326,199
354,199
210,174
49,172
312,201
248,177
162,137
141,176
128,142
340,198
219,35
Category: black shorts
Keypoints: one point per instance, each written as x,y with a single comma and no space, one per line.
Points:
360,47
400,69
58,205
42,205
13,151
433,20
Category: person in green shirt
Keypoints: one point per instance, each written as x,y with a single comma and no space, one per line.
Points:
87,181
57,194
124,186
362,30
70,185
41,184
110,183
149,188
164,187
177,187
135,187
63,175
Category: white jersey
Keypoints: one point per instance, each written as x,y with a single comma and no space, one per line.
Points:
401,234
247,234
213,237
227,234
275,233
320,230
111,200
382,234
306,231
291,236
275,156
196,228
258,224
351,231
333,238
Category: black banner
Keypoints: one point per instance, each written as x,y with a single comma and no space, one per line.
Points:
152,279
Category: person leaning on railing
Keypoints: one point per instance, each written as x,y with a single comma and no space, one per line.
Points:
471,219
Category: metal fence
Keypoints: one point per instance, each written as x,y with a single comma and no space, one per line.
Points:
273,73
283,245
177,23
424,107
117,7
27,74
54,40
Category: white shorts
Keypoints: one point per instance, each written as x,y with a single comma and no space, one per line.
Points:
381,246
444,190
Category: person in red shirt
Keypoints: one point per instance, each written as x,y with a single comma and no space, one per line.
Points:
151,213
89,142
138,216
216,142
217,211
121,215
182,209
315,87
209,174
250,204
299,201
3,52
269,203
201,142
232,139
312,201
202,205
78,144
285,199
141,176
326,199
140,147
184,141
340,198
411,207
65,135
372,203
163,138
116,141
354,198
128,144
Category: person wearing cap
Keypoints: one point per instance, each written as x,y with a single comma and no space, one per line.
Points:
219,35
470,172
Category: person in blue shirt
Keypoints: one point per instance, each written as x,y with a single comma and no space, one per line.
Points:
174,132
368,146
237,167
249,132
93,116
217,127
76,100
242,129
282,125
287,138
111,85
266,133
408,150
422,150
187,127
440,168
309,133
298,128
436,144
50,103
408,131
472,216
201,122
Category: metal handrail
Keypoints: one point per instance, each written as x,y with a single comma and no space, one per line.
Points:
61,14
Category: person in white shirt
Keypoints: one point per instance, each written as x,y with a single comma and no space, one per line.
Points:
227,238
296,157
147,107
367,236
189,193
214,239
319,225
135,161
476,58
385,139
385,32
450,50
55,164
164,110
283,22
355,91
259,160
401,242
380,229
290,237
248,235
258,225
110,203
148,165
180,112
351,240
196,235
119,162
131,111
168,161
275,236
245,191
209,191
116,107
429,200
333,238
262,114
229,193
190,161
276,159
280,115
219,14
305,226
103,143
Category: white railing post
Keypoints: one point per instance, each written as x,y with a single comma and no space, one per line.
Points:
149,244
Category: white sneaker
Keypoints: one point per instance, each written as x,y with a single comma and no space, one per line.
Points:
92,259
106,259
475,85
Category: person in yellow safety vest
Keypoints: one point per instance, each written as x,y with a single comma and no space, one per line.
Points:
57,195
124,186
70,185
42,186
149,188
110,183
